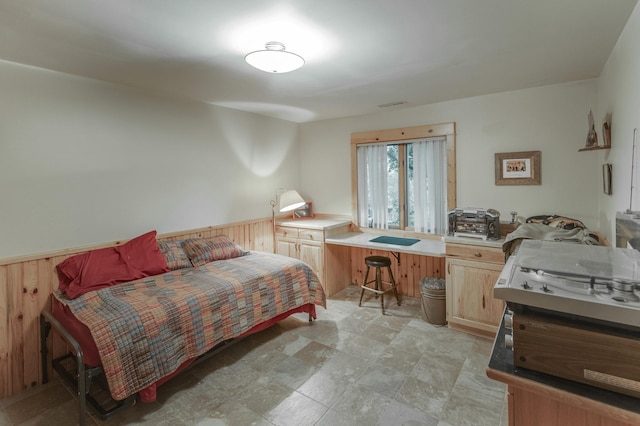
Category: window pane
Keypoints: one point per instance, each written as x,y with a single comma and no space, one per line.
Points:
393,190
390,194
410,187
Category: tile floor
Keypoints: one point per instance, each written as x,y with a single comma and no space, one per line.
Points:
353,366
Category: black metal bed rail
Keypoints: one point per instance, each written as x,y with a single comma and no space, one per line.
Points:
83,376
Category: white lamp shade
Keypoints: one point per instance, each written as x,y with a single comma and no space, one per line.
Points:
274,59
290,200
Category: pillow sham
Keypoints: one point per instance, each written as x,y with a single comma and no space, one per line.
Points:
174,254
205,250
96,269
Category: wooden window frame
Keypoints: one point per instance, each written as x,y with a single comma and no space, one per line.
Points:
447,130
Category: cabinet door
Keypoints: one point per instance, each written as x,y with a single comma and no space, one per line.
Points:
312,253
287,247
470,302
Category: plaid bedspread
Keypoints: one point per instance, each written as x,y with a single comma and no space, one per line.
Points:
145,329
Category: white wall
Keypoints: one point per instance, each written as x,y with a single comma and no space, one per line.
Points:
84,162
551,119
619,96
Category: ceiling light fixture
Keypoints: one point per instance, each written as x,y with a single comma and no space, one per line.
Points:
274,59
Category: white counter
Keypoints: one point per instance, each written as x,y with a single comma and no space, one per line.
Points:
427,247
325,224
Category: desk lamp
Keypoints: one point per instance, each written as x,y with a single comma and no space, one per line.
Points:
289,200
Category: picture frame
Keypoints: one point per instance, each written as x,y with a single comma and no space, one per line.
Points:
606,178
304,212
518,168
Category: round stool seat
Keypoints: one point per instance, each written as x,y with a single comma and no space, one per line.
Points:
377,261
377,285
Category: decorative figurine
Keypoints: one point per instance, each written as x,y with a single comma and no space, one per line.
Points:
592,136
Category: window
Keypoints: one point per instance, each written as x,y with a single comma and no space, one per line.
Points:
404,179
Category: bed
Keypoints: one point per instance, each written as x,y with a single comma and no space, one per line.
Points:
551,228
187,300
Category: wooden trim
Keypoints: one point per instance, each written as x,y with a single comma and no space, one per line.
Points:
404,133
452,185
26,285
5,344
473,327
354,185
564,398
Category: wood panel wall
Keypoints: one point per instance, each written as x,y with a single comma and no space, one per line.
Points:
27,282
26,285
407,272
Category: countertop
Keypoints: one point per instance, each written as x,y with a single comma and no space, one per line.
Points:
424,247
324,224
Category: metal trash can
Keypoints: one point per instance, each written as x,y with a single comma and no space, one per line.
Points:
434,306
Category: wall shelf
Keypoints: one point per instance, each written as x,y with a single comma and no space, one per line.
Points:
594,148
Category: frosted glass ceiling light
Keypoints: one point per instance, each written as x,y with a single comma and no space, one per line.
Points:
274,59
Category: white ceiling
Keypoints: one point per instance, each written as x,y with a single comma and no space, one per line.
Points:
359,53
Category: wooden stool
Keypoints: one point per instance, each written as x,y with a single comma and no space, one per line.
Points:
379,262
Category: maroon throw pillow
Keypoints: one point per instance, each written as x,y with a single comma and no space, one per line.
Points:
96,269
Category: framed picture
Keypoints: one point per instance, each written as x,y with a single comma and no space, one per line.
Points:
606,178
518,168
304,212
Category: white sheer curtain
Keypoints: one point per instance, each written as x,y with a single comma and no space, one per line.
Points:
372,186
430,185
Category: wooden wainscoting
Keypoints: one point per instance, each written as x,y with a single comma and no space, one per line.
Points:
26,285
407,274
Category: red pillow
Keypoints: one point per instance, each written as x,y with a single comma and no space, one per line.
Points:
138,258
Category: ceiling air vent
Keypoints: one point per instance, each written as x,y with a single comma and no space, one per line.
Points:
390,104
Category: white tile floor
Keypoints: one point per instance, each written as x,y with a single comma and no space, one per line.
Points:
353,366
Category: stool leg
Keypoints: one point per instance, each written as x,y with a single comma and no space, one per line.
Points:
379,287
364,283
393,285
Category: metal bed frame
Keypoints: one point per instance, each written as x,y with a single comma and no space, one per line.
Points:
83,377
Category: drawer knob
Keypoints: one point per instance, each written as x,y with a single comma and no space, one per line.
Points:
477,254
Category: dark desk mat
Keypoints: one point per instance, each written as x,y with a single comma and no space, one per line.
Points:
395,240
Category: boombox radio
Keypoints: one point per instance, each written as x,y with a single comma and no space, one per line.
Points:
474,222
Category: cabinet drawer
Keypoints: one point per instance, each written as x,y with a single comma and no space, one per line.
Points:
283,231
311,234
471,252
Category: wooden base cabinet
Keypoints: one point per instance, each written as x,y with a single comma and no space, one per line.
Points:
472,272
534,404
305,245
330,263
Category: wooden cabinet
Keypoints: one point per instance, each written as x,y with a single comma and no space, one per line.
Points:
532,404
303,244
472,272
330,263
